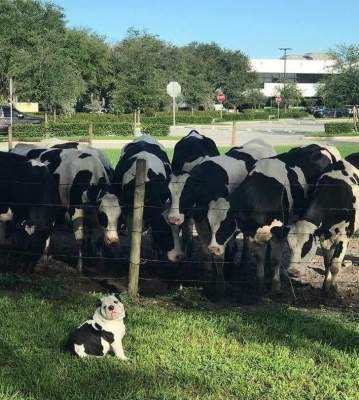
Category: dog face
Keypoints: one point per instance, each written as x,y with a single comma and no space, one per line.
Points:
111,308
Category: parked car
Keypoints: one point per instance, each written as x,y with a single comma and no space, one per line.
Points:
17,118
324,112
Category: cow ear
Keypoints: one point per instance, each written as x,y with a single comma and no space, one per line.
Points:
98,303
280,232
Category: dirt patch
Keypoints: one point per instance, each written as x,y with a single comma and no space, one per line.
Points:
160,277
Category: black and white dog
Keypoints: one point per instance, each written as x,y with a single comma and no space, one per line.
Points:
101,334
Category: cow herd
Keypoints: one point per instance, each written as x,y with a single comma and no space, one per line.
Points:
297,200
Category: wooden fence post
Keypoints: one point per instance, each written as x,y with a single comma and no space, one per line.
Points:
90,137
9,137
135,123
233,138
136,234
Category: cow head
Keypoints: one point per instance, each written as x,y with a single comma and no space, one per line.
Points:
109,213
166,238
222,225
180,194
303,244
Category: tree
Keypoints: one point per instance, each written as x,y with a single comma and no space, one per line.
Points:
290,94
342,86
32,39
91,56
226,69
139,63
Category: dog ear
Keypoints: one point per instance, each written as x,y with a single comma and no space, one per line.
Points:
98,303
117,295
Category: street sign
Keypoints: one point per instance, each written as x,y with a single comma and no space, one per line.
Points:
221,97
278,99
174,89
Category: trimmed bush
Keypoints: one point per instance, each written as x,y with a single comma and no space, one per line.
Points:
337,128
156,129
73,129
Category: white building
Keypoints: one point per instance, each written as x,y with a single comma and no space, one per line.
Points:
305,70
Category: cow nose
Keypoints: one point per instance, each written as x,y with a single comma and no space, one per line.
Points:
174,220
111,308
215,250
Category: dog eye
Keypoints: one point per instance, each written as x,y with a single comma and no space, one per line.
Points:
116,302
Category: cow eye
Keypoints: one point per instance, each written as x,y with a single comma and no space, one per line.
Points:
102,219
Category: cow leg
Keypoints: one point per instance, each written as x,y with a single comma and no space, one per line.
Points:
327,256
335,263
79,232
259,250
220,282
187,236
275,260
46,256
245,254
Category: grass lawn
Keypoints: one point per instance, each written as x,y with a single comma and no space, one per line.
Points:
345,149
270,352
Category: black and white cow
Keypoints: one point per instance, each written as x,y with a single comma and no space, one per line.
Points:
27,193
158,170
275,191
205,191
331,219
84,192
190,151
353,159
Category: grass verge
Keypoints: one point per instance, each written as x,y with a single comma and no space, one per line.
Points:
345,150
271,352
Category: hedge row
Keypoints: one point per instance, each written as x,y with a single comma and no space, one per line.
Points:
337,128
81,130
182,117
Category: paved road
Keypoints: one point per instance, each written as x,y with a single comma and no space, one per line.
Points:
289,131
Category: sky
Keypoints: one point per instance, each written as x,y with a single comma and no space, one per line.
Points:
258,27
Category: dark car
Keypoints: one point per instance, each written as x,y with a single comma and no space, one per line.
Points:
324,112
17,118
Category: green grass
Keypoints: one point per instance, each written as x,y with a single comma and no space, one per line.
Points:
345,149
328,135
271,352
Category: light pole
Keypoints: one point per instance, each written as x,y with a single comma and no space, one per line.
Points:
285,50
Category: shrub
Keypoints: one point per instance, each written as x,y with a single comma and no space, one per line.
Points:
156,129
337,128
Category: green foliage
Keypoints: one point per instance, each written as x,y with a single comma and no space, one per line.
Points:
290,93
72,129
336,128
342,88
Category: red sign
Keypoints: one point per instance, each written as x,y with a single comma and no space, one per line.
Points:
221,97
278,99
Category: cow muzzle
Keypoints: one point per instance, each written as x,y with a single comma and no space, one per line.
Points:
176,219
175,256
216,250
111,239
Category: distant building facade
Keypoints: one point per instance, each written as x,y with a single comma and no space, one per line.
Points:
305,70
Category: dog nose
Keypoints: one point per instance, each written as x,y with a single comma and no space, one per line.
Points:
111,308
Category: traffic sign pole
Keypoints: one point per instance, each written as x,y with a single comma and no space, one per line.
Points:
174,90
174,110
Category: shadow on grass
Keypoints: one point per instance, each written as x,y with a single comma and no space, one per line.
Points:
295,329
